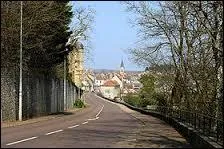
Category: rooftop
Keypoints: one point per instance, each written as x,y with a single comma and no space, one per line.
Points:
111,83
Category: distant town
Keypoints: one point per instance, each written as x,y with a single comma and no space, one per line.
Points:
112,83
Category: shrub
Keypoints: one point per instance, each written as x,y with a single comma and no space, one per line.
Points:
160,98
132,100
79,103
147,101
156,98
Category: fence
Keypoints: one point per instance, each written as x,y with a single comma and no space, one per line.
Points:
42,95
208,126
205,125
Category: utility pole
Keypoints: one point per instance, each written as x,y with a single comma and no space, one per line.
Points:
21,63
65,103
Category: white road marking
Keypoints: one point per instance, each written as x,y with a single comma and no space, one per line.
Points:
91,119
85,122
73,126
53,132
99,111
21,141
132,140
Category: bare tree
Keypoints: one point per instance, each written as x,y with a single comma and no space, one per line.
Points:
190,35
82,27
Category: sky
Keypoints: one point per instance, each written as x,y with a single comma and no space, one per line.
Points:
111,37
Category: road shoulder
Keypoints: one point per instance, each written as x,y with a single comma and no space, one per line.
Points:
7,124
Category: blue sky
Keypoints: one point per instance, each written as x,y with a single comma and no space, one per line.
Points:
112,36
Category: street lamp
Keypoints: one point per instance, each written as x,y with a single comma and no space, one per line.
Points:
65,104
21,63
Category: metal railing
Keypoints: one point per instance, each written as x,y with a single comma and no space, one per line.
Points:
206,125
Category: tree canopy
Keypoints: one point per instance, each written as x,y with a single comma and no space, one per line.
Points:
187,37
45,32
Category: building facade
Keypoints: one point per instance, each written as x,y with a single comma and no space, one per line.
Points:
76,64
110,89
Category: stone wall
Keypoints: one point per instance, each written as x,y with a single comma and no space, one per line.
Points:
42,95
9,96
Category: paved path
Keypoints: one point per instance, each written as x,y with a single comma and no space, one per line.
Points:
102,124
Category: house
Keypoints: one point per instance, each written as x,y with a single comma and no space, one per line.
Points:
99,81
110,89
118,79
137,85
88,82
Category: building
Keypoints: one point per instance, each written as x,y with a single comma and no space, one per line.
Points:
88,82
110,89
118,79
122,68
122,74
99,80
76,64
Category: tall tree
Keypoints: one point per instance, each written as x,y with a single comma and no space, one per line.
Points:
45,32
189,36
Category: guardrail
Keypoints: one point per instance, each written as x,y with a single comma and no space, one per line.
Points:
210,127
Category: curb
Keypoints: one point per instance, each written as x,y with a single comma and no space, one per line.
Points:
38,119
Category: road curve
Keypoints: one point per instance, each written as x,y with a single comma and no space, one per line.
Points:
102,124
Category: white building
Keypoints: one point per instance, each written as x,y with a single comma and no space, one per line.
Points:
110,89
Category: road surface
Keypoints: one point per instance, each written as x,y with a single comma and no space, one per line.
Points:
102,124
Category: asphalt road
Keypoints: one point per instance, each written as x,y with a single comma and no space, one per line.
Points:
102,124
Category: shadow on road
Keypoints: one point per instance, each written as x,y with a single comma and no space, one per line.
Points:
62,113
161,141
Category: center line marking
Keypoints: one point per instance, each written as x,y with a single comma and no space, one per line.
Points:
53,132
99,111
73,126
85,122
21,141
91,119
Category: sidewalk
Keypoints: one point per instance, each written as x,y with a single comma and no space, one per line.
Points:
6,124
38,119
154,133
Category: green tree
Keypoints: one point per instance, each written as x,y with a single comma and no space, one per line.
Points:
132,99
148,82
45,32
49,21
148,90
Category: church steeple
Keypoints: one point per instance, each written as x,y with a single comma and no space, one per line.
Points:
122,67
122,64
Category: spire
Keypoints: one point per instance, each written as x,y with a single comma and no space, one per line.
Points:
122,67
122,64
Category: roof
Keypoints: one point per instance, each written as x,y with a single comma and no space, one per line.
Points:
90,77
111,83
137,84
99,78
120,76
129,86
